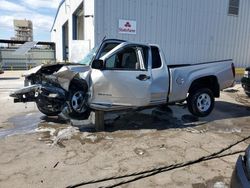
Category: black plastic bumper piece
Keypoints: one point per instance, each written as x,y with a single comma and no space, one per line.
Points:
30,93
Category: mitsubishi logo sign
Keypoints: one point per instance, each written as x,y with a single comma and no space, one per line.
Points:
127,26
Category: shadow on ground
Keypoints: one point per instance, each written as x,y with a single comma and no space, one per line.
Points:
166,120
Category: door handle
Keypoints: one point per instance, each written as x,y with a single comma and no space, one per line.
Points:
143,77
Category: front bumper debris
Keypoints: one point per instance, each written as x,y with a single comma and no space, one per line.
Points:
246,84
30,93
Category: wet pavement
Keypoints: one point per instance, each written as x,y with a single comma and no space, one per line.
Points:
21,124
41,151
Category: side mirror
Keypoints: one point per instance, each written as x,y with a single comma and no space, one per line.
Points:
97,64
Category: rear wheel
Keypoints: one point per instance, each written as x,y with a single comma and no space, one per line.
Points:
201,102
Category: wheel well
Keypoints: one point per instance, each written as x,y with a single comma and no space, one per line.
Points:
209,82
78,83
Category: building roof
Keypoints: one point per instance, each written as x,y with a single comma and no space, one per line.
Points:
52,44
61,3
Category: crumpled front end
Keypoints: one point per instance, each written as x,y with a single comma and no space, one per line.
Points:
49,86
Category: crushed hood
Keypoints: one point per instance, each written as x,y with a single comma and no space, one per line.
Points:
52,68
32,71
61,73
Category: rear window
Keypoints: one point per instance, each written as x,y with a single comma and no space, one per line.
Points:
156,58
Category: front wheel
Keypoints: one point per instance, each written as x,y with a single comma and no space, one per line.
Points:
201,102
77,101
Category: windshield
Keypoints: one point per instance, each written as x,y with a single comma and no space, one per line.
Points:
87,59
105,49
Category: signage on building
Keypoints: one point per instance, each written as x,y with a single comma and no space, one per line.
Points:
127,26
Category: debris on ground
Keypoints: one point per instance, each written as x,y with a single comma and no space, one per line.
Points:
139,151
56,164
231,90
65,134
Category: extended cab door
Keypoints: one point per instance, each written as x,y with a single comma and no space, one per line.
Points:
160,77
125,79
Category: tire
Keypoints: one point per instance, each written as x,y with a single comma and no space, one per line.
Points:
200,102
46,110
79,110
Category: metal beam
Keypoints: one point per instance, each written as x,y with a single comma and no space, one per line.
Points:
6,41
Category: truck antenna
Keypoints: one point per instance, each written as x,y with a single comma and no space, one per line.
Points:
104,38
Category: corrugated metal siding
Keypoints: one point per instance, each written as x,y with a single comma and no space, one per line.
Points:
37,56
189,31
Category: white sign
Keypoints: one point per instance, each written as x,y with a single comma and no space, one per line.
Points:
127,26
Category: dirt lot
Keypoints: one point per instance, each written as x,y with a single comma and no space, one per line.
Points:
38,151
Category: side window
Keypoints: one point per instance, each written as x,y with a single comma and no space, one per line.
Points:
111,62
233,8
156,58
126,59
108,47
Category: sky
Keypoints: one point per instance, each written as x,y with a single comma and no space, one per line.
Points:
40,12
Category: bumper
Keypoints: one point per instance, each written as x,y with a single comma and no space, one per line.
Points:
246,88
30,93
246,84
239,178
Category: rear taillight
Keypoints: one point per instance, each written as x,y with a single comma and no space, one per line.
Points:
233,69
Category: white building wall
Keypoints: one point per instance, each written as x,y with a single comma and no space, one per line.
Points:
189,31
89,21
64,14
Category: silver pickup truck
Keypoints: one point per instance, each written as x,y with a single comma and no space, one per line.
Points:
121,75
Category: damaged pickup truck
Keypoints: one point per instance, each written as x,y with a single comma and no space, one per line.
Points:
120,75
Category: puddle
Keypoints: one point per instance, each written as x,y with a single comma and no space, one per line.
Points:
31,122
37,122
25,123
